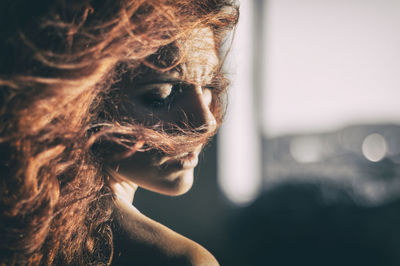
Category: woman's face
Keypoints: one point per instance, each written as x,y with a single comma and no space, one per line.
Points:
174,97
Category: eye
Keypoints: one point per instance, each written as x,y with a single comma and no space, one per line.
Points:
158,95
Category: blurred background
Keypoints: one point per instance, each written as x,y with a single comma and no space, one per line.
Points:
306,168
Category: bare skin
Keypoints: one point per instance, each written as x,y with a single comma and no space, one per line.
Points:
154,243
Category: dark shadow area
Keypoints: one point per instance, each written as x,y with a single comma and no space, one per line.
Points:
328,212
294,224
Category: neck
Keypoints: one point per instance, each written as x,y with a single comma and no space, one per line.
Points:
122,188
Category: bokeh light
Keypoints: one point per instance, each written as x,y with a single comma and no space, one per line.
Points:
374,147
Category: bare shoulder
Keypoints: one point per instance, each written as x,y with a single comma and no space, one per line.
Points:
139,240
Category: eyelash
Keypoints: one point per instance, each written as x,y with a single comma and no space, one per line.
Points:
154,100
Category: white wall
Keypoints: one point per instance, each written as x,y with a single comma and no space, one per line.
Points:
330,63
239,145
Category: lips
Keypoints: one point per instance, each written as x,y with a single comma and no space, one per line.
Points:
184,161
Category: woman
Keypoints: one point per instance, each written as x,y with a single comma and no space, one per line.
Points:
98,98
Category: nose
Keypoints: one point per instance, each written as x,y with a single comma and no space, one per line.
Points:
197,111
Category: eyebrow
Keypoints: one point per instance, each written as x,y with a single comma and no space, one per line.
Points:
157,80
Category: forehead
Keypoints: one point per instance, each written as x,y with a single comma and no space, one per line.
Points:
194,60
200,58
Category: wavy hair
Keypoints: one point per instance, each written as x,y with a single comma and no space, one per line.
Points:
60,106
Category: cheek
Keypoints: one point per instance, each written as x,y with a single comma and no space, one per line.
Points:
138,163
137,111
146,115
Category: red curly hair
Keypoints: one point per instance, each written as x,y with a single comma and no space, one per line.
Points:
60,108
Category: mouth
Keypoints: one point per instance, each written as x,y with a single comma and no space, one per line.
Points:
183,161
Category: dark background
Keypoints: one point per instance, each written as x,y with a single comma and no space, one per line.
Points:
307,214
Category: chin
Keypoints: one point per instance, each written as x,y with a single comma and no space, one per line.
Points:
179,184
